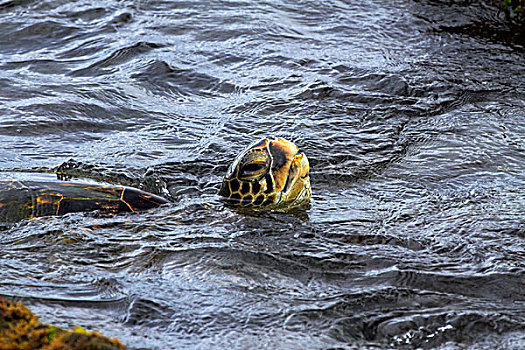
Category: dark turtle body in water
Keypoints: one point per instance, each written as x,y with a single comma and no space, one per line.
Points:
33,195
271,174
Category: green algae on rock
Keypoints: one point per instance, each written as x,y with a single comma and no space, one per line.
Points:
514,9
20,329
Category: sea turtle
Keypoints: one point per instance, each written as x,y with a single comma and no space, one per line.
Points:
28,195
269,175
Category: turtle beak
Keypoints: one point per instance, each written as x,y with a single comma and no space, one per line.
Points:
299,170
304,164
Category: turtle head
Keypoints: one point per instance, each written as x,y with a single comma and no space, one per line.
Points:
271,174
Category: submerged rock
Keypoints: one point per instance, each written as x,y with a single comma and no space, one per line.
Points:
494,20
20,329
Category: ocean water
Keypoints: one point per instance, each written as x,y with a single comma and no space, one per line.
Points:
412,114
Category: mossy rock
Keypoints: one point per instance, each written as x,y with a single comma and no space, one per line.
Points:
515,9
20,329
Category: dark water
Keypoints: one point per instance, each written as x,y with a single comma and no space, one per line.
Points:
411,112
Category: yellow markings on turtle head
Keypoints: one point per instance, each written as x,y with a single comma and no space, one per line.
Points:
271,174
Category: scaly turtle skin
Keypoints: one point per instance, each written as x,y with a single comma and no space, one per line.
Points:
271,174
42,195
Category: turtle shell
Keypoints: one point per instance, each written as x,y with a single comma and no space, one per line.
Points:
42,195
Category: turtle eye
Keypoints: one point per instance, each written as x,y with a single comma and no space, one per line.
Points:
252,170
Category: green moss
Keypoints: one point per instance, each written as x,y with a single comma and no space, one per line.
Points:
20,329
515,9
81,330
51,333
